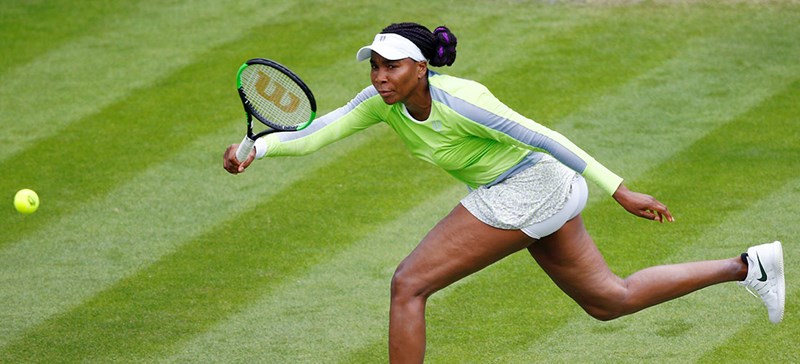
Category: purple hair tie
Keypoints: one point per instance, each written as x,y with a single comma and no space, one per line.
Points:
444,33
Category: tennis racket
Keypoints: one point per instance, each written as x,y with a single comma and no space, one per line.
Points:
276,97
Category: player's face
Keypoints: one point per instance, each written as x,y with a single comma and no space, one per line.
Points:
395,81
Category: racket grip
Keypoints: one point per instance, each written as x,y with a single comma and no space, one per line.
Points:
244,149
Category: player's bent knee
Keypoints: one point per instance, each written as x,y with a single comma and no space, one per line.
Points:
601,314
609,302
406,286
605,307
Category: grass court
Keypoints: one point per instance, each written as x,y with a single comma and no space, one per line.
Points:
145,250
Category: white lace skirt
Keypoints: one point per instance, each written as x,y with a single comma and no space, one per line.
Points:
524,199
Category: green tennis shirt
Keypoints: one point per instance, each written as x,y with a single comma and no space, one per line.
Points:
469,133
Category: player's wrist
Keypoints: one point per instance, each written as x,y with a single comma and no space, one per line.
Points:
621,192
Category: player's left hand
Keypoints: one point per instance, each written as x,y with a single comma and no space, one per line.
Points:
642,205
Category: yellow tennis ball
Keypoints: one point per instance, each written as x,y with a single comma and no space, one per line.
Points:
26,201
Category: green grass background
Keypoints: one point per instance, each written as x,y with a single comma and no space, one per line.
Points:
145,250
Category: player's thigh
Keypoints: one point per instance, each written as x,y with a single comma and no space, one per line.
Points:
457,246
573,261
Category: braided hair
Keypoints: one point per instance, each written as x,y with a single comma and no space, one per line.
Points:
439,46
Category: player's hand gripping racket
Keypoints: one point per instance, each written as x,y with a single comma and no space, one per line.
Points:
276,97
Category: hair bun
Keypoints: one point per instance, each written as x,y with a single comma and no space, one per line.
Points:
445,47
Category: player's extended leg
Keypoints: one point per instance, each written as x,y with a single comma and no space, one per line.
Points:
457,246
573,262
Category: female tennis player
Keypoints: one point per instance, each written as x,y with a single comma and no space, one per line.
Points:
527,190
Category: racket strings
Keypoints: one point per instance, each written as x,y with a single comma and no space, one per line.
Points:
275,97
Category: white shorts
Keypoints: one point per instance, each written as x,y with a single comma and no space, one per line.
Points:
574,205
538,200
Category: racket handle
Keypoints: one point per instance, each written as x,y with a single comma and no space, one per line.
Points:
244,149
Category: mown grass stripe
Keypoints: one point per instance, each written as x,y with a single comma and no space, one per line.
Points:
30,29
715,78
776,218
338,306
557,73
524,27
92,156
133,50
68,261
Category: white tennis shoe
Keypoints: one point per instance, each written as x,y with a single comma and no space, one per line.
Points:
765,277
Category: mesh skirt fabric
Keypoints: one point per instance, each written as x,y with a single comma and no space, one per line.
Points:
524,199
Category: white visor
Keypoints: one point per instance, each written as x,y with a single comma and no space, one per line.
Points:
392,47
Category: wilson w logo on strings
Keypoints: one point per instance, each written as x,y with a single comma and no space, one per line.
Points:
275,93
